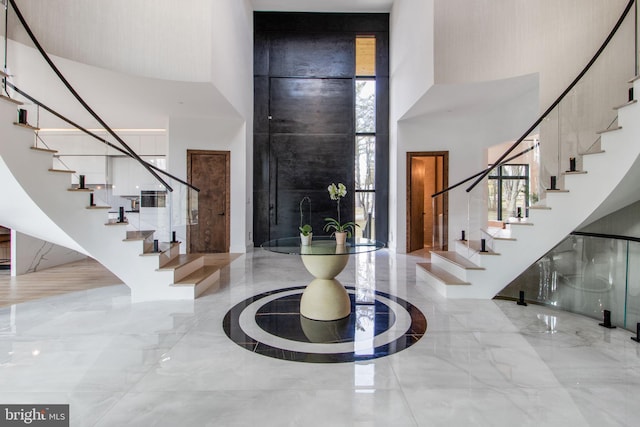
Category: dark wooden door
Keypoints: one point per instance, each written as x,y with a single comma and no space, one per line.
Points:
304,126
311,146
209,171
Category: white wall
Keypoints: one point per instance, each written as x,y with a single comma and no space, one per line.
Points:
460,42
151,38
466,137
214,134
29,254
232,75
494,39
411,53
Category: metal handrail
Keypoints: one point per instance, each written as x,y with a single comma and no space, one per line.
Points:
504,162
560,98
79,98
88,132
501,160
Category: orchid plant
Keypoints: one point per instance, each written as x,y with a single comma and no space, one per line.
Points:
337,192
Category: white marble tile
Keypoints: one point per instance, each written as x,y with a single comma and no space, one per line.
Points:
336,408
480,363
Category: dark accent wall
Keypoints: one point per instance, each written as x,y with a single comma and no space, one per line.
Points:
304,131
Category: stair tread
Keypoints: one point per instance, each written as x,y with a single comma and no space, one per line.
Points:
588,153
522,222
86,190
574,172
162,247
557,190
180,260
137,235
443,275
117,223
26,126
499,234
44,150
457,259
61,170
198,276
98,207
6,98
600,132
476,245
633,101
542,207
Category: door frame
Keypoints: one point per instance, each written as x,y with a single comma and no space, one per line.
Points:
445,183
227,213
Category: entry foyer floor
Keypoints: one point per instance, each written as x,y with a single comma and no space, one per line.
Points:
490,363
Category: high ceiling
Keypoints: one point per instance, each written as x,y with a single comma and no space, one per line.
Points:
323,5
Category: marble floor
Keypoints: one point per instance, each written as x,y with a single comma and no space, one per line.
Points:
480,363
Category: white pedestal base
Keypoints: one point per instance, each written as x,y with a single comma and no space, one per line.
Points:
325,299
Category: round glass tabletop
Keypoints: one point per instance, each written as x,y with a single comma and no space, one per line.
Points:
322,245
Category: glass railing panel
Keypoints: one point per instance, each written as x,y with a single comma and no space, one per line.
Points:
475,223
438,219
584,275
633,287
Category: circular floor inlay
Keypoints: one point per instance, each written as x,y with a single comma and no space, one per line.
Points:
270,324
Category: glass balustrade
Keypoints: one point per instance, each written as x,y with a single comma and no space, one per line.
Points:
580,275
586,275
124,188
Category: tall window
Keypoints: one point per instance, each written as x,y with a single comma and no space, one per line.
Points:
509,192
365,115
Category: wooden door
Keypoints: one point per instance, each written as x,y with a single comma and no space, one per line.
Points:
311,145
304,122
416,234
209,171
427,173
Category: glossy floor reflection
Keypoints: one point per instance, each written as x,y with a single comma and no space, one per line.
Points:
481,363
270,324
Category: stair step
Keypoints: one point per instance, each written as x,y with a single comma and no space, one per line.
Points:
137,235
162,247
441,275
125,222
26,126
633,101
588,153
44,150
201,279
61,170
476,245
557,191
457,259
540,207
574,173
98,207
6,98
499,234
523,222
180,261
600,132
81,190
198,276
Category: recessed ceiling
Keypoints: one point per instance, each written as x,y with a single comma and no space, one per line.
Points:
357,6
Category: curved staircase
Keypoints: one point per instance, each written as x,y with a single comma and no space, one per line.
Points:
39,202
608,182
